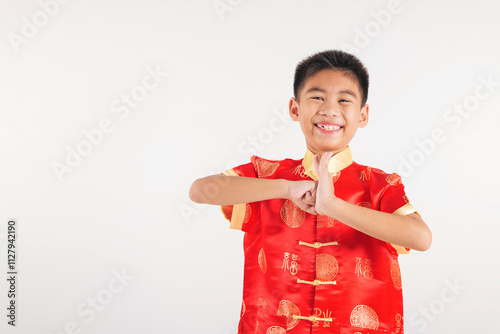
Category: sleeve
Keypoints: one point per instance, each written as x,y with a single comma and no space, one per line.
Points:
242,216
394,200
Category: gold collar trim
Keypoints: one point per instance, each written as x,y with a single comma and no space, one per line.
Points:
338,162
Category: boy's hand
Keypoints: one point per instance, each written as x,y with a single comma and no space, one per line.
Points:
325,189
303,194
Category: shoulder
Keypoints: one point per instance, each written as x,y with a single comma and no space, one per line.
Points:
268,168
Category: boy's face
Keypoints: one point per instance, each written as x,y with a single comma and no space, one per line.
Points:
329,111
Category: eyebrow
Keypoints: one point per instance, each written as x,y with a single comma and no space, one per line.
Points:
321,90
348,92
315,89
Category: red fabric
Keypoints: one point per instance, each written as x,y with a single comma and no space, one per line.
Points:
367,296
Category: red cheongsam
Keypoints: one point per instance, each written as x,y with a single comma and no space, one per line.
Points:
312,274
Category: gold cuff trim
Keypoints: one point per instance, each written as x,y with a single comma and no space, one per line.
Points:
318,244
400,249
238,209
311,318
405,210
238,216
338,162
316,282
230,172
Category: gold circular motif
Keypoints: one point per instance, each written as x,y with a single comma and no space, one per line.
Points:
248,213
262,261
394,179
275,330
292,215
289,309
364,316
327,267
396,273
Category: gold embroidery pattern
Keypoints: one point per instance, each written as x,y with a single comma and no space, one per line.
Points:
292,215
399,323
405,198
330,222
299,170
275,330
266,168
396,273
358,270
293,267
243,308
394,179
364,175
326,317
365,317
285,266
368,270
248,213
365,204
327,267
289,309
262,261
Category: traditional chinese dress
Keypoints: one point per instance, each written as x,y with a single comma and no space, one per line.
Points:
312,274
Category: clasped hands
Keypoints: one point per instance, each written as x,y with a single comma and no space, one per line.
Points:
311,196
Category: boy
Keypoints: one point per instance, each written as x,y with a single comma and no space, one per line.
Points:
322,234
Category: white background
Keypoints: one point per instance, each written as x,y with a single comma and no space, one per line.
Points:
125,206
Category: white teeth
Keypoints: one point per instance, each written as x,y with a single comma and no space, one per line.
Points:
328,127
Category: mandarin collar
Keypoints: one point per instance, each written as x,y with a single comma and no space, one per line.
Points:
338,162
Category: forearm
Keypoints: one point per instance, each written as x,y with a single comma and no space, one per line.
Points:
407,231
227,190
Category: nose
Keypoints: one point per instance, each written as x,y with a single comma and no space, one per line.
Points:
330,108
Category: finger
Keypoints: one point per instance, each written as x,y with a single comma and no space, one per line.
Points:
309,209
309,198
316,163
321,163
325,159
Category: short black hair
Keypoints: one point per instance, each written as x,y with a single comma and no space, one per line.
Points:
334,60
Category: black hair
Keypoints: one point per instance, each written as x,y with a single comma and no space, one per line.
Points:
334,60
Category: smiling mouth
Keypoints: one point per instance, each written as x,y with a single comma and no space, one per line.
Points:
328,127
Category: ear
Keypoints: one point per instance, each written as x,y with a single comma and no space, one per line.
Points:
293,109
363,116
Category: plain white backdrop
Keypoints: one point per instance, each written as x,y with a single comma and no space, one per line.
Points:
110,109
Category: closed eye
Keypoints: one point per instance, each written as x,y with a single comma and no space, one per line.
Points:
344,100
317,98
